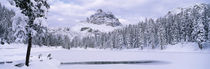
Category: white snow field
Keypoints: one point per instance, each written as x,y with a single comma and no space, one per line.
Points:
105,59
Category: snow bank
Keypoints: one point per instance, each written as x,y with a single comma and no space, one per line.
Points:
16,54
183,47
179,47
46,64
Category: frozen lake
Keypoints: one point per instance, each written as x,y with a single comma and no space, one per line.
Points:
105,59
126,60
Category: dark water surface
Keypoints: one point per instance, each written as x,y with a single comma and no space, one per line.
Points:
114,62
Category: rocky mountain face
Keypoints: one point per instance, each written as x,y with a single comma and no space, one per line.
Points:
101,17
99,22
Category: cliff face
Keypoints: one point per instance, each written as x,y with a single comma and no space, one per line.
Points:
106,18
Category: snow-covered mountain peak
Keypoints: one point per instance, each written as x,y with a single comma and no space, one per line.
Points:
97,23
199,7
101,17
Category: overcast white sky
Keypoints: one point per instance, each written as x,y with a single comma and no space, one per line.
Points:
69,12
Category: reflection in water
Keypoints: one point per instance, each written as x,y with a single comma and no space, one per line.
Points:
114,62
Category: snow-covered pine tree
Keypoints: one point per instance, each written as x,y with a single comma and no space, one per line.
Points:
6,32
18,26
66,42
200,31
151,28
161,33
141,35
32,9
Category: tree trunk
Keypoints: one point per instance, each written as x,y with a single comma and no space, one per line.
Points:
153,46
142,48
200,45
161,47
28,49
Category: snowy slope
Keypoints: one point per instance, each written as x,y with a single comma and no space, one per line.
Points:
77,30
16,54
101,28
96,23
64,31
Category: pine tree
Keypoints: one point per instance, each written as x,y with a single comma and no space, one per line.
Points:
32,9
161,33
141,35
199,33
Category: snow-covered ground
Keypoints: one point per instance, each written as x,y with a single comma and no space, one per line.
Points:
171,58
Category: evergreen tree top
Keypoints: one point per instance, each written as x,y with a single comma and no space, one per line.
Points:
32,8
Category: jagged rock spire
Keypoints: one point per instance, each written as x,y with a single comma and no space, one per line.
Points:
101,17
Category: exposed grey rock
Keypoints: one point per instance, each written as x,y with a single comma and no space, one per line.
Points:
101,17
90,30
2,62
19,65
9,62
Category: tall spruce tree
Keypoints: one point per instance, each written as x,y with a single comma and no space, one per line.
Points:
32,9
